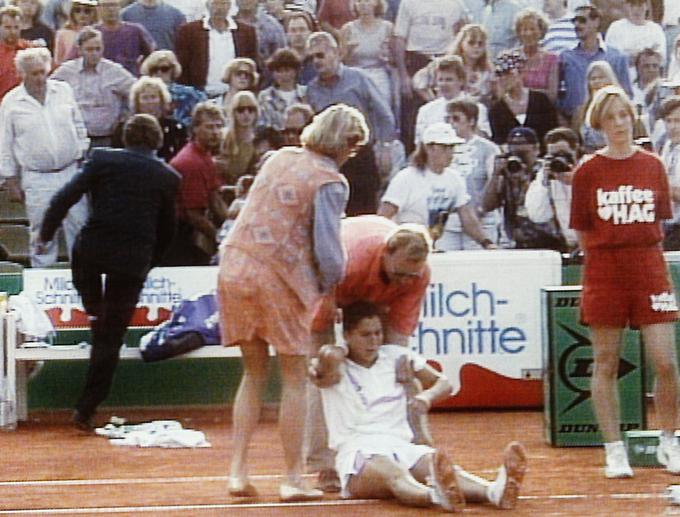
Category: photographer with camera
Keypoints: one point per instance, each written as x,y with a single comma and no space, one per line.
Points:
548,198
507,187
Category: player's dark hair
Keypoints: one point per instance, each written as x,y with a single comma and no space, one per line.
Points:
357,311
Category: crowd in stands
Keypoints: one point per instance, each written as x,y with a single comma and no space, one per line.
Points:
476,107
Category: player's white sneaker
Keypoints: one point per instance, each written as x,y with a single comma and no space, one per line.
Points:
504,491
668,454
617,461
447,493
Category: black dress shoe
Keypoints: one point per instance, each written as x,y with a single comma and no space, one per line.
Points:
82,422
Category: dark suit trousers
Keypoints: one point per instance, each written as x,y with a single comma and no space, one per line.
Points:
110,306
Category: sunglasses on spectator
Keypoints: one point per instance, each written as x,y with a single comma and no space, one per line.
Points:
82,10
246,109
319,55
164,69
583,19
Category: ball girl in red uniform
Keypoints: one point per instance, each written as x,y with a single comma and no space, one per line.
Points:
619,197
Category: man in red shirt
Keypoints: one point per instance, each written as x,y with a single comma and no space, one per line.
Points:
10,44
199,193
386,265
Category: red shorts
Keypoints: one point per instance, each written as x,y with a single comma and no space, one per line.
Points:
627,286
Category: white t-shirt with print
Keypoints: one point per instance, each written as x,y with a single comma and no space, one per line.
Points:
420,195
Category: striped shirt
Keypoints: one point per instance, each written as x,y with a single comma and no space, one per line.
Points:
561,35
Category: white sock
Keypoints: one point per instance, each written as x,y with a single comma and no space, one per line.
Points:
610,446
494,491
434,497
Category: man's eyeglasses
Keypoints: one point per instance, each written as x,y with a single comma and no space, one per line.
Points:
164,69
246,109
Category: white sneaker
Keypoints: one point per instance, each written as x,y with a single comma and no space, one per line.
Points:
617,462
668,454
504,491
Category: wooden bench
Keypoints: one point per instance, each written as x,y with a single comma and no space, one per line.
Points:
16,355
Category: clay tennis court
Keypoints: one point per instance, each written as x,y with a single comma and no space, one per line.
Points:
48,468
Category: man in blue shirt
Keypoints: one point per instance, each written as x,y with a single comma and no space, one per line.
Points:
160,19
574,63
337,83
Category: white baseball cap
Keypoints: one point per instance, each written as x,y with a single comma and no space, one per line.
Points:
441,133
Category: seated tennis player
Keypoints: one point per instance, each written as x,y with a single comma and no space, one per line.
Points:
366,413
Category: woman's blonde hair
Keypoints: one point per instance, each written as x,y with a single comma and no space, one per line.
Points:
235,64
335,129
149,83
468,31
531,14
161,57
604,97
606,69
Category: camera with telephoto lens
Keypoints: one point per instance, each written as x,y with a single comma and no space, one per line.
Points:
513,163
559,163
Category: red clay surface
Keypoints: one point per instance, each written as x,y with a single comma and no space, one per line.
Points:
46,468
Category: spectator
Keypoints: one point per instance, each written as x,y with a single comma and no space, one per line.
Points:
450,81
507,188
131,225
339,83
201,209
574,63
649,69
149,95
124,42
55,14
100,86
635,33
498,20
423,29
548,198
164,65
599,75
670,154
81,14
561,33
42,138
296,118
367,43
265,140
205,47
191,9
270,35
470,46
474,161
428,190
299,25
276,9
237,154
517,105
284,66
333,14
32,29
10,44
674,64
160,19
540,70
238,76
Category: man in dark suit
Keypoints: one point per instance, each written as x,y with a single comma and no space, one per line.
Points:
205,47
131,223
